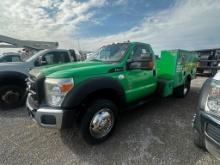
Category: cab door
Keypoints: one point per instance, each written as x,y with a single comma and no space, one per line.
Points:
141,73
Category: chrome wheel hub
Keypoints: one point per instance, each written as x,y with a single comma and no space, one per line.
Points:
102,123
185,90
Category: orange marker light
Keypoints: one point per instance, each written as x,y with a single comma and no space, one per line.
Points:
66,87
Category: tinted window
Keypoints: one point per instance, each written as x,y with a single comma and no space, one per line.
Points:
63,57
15,59
48,58
141,52
141,56
6,59
56,58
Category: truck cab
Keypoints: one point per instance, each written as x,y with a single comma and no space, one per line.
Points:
94,92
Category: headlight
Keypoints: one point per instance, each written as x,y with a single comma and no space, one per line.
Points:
213,100
56,90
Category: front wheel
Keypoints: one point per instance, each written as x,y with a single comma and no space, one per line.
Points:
98,122
183,90
11,96
198,139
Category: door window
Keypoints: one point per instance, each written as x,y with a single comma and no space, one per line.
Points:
48,58
56,58
15,59
7,59
62,57
141,55
141,52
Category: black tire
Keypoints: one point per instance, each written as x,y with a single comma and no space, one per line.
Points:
92,111
11,96
213,73
199,71
183,90
198,139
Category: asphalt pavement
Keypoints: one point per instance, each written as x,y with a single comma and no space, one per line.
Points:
157,133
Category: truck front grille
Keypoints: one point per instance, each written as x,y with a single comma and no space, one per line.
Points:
35,88
213,132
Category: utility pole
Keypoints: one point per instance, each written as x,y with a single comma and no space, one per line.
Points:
78,44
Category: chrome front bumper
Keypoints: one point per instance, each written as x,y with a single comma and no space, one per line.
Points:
46,117
209,127
213,148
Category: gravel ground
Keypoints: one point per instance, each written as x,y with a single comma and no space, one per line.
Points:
156,133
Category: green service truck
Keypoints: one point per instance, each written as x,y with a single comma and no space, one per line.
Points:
94,92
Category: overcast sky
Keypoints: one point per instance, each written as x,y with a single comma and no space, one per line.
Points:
165,24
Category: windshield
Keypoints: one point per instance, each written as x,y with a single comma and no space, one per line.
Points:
35,55
109,53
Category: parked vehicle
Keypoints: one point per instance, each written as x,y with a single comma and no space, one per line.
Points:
206,121
94,92
13,74
10,57
208,61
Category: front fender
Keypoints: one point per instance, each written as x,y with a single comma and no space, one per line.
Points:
197,123
12,77
204,94
79,93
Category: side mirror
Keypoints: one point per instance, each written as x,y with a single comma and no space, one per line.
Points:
43,61
40,61
145,64
157,57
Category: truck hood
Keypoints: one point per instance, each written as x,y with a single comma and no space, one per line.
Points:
74,69
12,66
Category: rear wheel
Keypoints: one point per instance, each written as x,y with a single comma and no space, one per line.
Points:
11,96
199,71
98,122
183,90
213,72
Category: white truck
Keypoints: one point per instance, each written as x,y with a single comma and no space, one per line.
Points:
13,74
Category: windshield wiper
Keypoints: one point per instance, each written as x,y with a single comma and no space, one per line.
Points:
96,60
107,62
